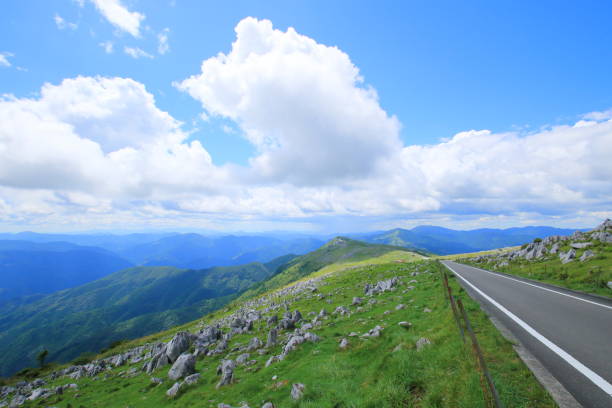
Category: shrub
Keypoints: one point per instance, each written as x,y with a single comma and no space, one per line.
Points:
537,240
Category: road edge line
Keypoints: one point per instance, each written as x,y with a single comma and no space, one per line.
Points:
601,383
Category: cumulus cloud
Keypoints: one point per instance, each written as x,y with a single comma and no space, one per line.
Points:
119,16
136,52
63,24
100,136
299,103
162,38
99,151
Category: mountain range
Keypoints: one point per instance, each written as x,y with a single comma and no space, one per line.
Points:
137,301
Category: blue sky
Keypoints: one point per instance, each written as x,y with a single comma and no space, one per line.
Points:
520,75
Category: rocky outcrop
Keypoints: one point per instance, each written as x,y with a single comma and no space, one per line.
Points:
178,345
226,370
182,367
381,286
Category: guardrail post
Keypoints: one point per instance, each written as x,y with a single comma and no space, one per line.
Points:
480,357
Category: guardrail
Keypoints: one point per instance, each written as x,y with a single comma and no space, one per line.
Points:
489,392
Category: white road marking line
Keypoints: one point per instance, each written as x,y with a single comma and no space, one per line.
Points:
540,287
584,370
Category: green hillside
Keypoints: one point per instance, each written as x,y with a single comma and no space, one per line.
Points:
124,305
337,251
396,346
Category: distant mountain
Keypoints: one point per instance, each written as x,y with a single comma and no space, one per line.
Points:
444,241
183,250
28,268
197,251
126,304
111,242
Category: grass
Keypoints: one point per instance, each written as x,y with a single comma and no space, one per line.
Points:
367,374
479,253
591,276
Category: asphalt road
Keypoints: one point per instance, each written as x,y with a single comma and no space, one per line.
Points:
569,333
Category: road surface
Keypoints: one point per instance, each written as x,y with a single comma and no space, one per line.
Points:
569,333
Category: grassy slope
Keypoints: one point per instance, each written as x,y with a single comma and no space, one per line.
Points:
590,276
339,250
126,304
367,374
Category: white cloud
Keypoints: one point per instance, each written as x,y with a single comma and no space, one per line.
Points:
100,136
299,103
162,38
107,46
136,52
98,151
119,16
4,56
63,24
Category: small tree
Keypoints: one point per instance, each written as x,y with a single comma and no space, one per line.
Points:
41,357
537,240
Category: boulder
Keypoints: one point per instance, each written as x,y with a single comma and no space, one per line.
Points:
242,358
568,256
192,379
254,344
17,401
178,345
344,343
580,245
341,310
182,367
174,390
226,369
311,337
586,255
272,338
297,391
422,342
405,325
356,301
159,360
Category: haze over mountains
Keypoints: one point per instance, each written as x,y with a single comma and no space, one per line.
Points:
142,300
33,263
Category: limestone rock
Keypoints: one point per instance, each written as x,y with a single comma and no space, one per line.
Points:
254,344
568,256
297,391
272,338
159,360
226,369
422,342
178,345
182,367
174,390
586,255
192,379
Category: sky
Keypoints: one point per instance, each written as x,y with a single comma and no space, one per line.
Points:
310,116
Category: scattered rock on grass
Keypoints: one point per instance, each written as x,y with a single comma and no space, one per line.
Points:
297,391
422,342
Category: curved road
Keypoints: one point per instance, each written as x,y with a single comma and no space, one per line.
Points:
568,332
